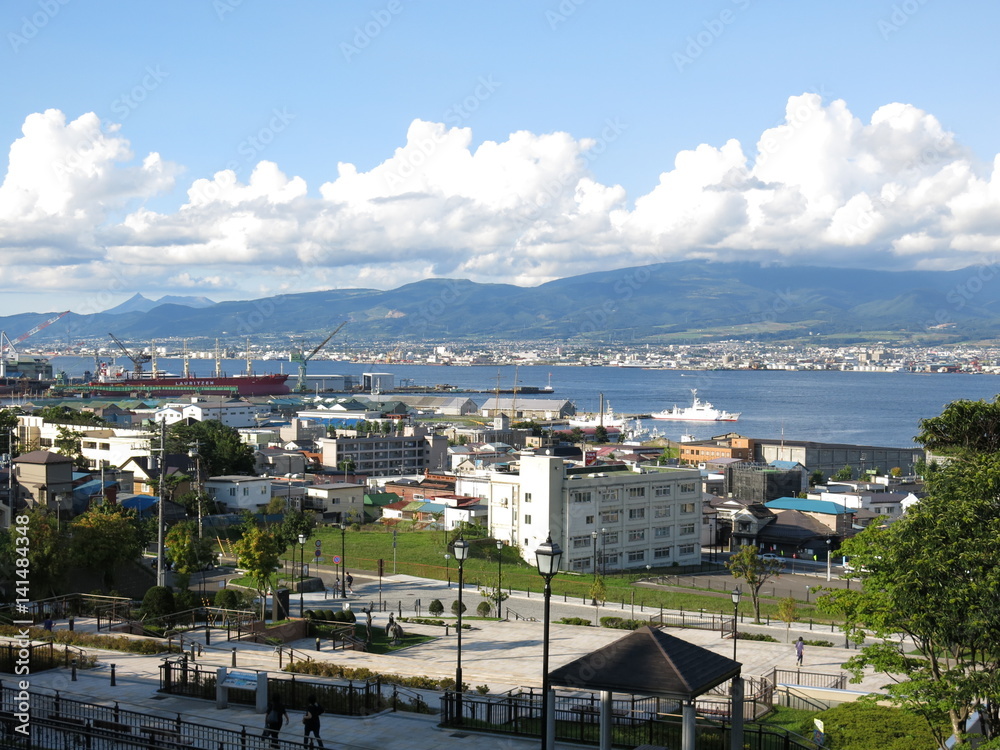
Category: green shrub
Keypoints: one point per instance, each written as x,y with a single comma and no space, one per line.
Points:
622,623
756,637
455,607
227,599
351,617
436,607
158,602
825,644
484,608
574,621
851,726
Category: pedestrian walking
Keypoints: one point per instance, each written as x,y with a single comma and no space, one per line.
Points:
350,583
800,646
310,723
274,719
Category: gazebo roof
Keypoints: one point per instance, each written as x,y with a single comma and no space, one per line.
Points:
648,662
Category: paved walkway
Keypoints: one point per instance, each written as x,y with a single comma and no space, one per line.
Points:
502,655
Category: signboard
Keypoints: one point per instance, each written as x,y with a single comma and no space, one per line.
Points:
336,559
319,544
242,680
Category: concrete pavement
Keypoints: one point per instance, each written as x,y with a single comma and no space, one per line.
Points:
502,655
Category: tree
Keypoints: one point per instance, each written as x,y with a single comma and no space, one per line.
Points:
221,450
815,478
8,440
105,537
456,608
931,583
47,554
259,551
483,609
964,428
844,474
787,613
188,553
598,591
493,593
755,570
70,443
435,607
66,415
601,434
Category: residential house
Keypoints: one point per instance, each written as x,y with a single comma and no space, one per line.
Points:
43,479
236,493
412,450
337,502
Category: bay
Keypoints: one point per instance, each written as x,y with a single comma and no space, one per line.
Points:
858,408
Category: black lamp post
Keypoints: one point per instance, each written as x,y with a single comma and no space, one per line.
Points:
461,553
828,541
735,594
343,560
547,558
302,572
604,552
499,578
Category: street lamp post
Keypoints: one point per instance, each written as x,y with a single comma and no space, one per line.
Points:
604,552
461,548
547,558
828,559
343,559
735,594
593,598
447,569
499,578
302,573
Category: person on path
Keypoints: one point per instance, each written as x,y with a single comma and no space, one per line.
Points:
799,649
274,719
350,582
310,723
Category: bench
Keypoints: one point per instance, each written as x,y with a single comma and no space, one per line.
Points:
164,735
115,727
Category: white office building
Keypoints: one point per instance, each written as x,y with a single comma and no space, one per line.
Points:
614,518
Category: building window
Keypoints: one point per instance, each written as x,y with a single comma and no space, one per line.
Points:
636,514
637,492
611,537
589,520
688,487
611,560
527,497
581,564
685,549
661,553
662,532
579,497
609,516
637,535
232,493
637,556
687,529
662,490
743,527
527,519
661,511
611,495
581,541
687,507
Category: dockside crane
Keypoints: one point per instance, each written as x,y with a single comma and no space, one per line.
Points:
300,386
138,360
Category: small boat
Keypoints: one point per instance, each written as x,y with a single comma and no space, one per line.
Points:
699,411
601,419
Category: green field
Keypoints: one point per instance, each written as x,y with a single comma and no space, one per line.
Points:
421,553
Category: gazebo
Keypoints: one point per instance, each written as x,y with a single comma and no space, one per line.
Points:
651,662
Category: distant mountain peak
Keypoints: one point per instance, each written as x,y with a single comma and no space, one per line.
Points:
141,304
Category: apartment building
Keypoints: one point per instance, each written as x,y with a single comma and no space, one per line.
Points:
606,518
412,450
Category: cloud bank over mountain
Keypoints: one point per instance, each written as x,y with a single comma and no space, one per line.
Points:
823,188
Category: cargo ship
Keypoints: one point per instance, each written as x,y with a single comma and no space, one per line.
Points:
116,381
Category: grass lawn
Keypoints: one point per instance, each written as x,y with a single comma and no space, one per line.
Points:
421,553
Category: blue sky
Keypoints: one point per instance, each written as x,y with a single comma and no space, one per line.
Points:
241,149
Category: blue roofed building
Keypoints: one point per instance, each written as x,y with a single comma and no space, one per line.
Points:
838,518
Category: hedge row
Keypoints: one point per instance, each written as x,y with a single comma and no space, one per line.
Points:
93,640
328,669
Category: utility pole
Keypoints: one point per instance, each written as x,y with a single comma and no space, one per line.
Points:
161,573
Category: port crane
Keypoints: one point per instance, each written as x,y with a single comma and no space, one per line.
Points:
138,360
10,347
300,386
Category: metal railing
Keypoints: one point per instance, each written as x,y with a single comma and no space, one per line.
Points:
807,679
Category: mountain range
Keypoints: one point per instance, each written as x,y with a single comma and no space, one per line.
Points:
666,303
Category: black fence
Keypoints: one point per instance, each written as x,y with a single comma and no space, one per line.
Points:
39,657
807,679
179,676
58,722
635,721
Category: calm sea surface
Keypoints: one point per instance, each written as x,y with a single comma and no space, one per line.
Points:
861,408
